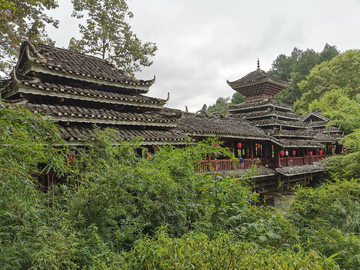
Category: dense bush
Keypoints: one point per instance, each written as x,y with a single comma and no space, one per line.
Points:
328,217
197,251
114,201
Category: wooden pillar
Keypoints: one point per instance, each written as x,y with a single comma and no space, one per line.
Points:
337,149
325,150
287,160
252,149
278,180
266,152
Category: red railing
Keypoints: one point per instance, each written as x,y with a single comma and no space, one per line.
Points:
299,161
46,179
228,165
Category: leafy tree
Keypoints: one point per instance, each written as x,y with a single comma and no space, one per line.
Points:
221,105
198,251
296,67
107,34
22,20
340,72
346,166
328,53
281,67
340,109
328,219
237,98
343,112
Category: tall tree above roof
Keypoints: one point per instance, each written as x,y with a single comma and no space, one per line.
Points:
341,72
107,34
296,67
22,20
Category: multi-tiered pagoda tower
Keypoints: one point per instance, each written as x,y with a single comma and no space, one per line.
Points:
290,137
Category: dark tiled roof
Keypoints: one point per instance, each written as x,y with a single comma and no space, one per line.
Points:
324,138
334,131
69,62
257,104
270,113
101,96
202,125
294,143
259,172
86,133
317,124
278,122
76,113
294,133
315,116
256,76
304,169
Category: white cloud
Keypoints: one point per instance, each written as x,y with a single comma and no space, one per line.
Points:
201,43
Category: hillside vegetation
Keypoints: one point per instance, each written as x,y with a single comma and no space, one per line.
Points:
118,210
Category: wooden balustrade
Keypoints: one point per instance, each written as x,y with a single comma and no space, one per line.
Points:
46,179
227,164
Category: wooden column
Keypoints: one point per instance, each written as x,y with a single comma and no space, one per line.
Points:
338,149
265,149
288,159
325,150
252,146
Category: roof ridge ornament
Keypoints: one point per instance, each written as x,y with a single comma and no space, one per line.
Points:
258,63
14,75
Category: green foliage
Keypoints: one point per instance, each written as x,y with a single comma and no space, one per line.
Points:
22,20
346,166
197,251
296,67
343,112
340,72
241,217
237,98
28,142
221,105
109,212
107,35
340,109
328,217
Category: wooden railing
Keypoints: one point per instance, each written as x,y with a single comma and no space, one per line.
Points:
299,161
228,165
46,179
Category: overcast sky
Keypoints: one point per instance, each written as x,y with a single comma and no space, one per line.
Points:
203,43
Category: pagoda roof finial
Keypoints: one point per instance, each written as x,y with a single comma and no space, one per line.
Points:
258,63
